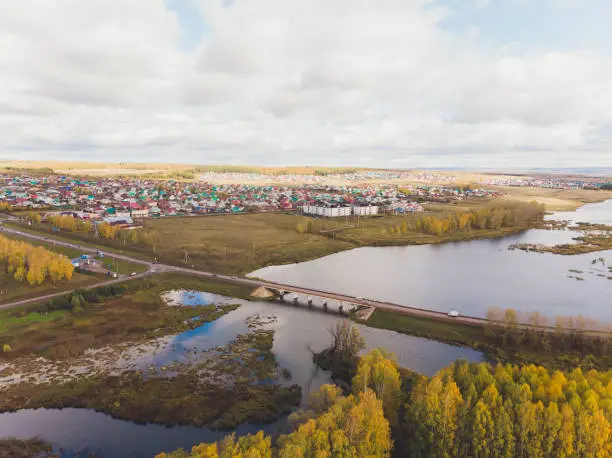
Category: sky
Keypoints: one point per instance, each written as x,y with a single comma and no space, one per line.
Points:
372,83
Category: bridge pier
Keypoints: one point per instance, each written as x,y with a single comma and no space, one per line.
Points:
325,306
341,309
295,301
309,301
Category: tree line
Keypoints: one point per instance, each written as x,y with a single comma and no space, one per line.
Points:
67,223
495,217
33,263
508,329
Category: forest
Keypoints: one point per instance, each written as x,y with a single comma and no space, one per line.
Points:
33,264
465,410
497,216
479,410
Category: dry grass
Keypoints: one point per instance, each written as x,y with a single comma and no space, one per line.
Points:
556,199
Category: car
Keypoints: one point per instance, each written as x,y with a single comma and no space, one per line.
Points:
132,274
453,313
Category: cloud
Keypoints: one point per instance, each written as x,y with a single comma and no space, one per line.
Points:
283,82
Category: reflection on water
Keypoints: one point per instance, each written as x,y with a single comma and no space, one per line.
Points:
75,431
468,276
298,332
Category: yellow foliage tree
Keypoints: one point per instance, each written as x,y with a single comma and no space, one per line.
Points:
31,263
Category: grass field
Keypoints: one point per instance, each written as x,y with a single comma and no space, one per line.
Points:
238,244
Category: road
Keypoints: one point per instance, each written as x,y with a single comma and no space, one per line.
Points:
156,267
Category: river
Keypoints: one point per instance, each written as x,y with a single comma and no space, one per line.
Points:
298,331
470,276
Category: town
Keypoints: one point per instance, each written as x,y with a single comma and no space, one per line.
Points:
119,200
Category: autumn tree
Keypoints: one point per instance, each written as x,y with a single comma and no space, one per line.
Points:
377,370
479,410
33,263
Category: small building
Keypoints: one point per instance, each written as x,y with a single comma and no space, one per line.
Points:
327,212
366,210
140,213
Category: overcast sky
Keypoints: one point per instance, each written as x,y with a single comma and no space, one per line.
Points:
404,83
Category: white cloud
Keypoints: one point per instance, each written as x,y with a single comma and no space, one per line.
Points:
289,82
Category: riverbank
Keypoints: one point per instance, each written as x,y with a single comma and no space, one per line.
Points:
594,237
499,344
28,448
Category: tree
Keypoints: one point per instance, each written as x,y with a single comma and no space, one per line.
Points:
353,426
250,446
378,371
510,411
341,356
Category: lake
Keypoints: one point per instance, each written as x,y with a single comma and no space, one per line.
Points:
469,276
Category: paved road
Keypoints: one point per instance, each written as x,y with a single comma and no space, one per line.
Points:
154,267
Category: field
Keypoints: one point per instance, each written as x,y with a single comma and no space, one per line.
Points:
556,199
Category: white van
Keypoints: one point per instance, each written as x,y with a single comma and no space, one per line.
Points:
453,313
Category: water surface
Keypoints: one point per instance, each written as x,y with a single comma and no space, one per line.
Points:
298,332
469,276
